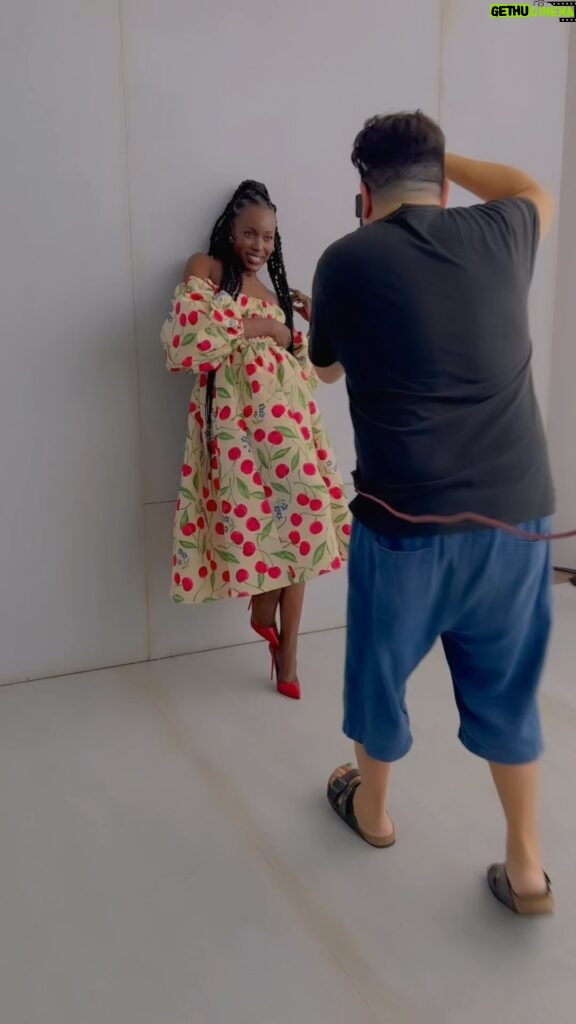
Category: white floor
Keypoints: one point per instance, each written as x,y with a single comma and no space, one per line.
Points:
167,855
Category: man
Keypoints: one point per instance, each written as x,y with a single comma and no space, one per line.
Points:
424,309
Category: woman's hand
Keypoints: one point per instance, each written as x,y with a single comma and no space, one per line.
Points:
302,304
261,327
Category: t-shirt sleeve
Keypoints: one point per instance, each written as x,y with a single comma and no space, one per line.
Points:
321,344
519,222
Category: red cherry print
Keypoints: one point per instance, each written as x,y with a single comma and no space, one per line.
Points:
216,484
174,560
247,467
266,508
203,572
298,417
211,505
296,519
203,381
249,549
240,511
214,463
234,454
201,523
274,572
275,437
252,525
295,537
335,493
268,491
242,575
244,301
282,471
205,492
259,361
192,407
176,341
242,426
186,470
187,363
305,548
213,565
205,367
217,316
237,538
177,578
278,411
183,320
193,318
261,567
229,313
226,508
225,413
303,500
226,576
346,529
196,297
322,454
337,564
248,411
313,408
256,387
305,433
187,584
259,435
316,528
315,505
189,530
220,529
204,346
250,369
257,479
177,309
309,469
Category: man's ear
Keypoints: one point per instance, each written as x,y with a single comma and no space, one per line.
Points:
445,195
367,204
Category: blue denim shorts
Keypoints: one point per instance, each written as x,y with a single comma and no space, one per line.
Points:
487,595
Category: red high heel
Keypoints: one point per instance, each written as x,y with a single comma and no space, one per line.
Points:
267,633
292,689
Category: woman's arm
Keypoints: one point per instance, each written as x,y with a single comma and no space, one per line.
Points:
202,328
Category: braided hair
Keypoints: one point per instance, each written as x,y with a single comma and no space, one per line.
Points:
249,193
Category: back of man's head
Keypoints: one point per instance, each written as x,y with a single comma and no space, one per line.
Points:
397,149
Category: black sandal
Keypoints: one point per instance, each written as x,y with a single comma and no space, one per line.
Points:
524,905
340,793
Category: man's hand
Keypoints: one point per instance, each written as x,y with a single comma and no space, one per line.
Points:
267,327
498,181
302,304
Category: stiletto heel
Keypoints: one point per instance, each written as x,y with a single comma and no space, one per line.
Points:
286,689
267,633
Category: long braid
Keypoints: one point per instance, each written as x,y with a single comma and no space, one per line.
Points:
248,193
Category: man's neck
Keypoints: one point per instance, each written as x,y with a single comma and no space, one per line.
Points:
390,200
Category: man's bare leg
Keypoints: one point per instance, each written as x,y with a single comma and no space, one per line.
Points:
370,797
517,787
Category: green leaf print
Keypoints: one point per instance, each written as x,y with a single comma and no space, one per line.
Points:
281,454
267,530
224,436
261,578
281,489
188,339
226,556
184,520
295,462
195,481
286,432
229,374
302,399
187,544
243,490
319,554
178,599
286,556
281,374
222,393
186,494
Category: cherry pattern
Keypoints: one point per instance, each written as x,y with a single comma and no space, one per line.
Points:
265,507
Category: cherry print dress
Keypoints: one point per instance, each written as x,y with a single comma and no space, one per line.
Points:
261,502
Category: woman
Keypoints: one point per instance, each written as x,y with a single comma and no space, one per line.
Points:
261,507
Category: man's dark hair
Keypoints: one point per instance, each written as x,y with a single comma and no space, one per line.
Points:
397,148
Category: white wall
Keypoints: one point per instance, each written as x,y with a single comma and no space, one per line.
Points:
208,96
562,404
72,585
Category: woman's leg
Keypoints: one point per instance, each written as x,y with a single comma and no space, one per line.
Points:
291,602
265,606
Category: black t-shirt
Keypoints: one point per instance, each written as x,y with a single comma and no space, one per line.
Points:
427,311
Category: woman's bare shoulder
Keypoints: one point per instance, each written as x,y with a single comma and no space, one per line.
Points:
203,266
